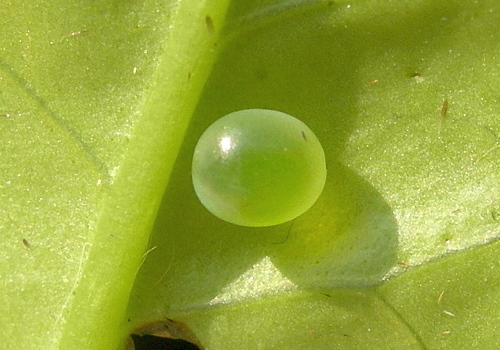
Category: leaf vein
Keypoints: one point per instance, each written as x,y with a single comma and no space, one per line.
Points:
403,321
70,131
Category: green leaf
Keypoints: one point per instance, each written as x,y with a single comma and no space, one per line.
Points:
407,185
449,304
400,251
95,101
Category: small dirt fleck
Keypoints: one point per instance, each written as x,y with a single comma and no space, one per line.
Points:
303,135
26,243
210,26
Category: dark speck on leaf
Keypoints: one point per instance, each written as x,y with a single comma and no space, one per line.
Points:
26,243
210,26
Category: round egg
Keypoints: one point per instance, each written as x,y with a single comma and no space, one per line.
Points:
258,167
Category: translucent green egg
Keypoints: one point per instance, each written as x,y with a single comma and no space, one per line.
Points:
258,167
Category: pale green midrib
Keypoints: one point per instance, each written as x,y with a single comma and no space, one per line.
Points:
92,320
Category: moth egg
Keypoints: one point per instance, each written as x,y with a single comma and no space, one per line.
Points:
258,167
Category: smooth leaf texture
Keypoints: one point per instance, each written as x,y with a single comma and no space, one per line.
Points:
95,100
406,184
399,252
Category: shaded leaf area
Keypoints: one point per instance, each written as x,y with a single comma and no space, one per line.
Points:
453,302
407,184
94,102
448,304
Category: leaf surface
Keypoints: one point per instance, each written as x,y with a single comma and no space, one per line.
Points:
409,183
95,99
400,251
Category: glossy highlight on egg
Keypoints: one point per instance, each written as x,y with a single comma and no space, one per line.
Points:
258,167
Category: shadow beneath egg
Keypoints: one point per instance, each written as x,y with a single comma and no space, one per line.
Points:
347,239
309,65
